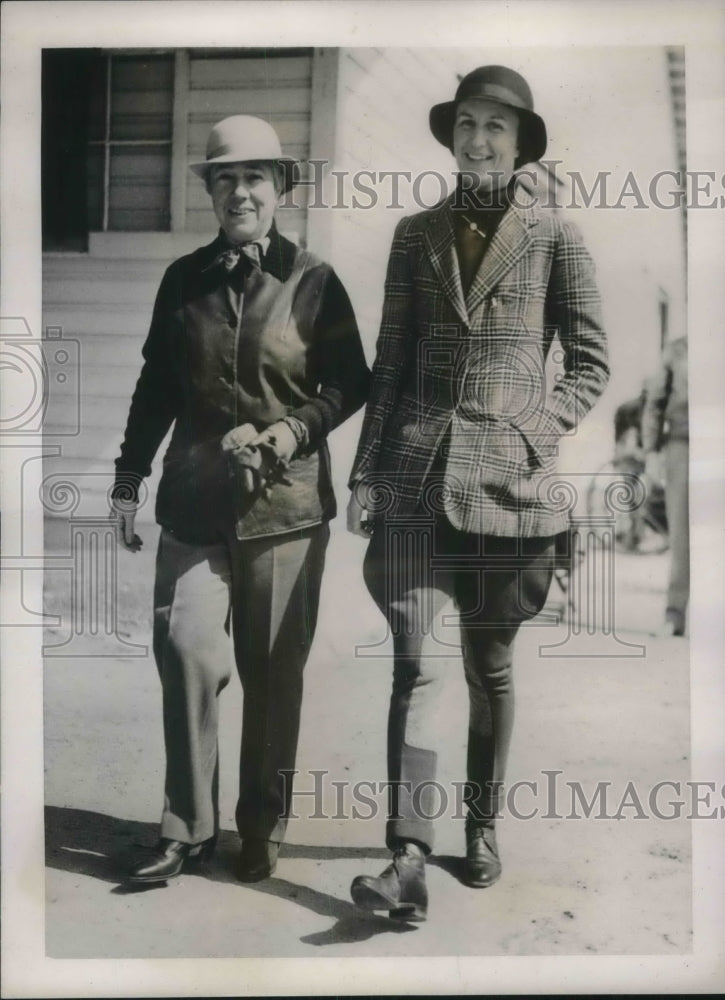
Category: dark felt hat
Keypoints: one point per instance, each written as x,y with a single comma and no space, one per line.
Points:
505,86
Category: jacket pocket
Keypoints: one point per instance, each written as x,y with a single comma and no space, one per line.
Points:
195,493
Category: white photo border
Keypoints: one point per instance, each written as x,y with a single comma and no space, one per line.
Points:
700,27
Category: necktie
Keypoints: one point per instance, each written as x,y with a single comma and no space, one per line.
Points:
471,245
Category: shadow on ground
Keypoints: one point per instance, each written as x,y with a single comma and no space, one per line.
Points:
99,846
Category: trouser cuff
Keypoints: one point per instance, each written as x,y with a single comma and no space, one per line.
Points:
175,828
399,831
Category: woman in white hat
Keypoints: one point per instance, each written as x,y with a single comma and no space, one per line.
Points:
254,356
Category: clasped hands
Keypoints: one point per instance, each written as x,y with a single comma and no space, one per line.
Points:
260,457
243,441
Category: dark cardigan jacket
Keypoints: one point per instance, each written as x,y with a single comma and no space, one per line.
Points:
225,349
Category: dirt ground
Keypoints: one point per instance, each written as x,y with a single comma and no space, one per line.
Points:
571,886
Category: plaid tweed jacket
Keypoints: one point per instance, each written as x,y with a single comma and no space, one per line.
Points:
464,415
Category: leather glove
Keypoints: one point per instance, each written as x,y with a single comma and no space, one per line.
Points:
239,437
247,469
264,460
280,439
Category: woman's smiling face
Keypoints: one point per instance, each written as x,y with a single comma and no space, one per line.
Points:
485,141
244,196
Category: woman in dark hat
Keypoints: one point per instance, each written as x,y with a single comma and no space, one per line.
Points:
456,459
253,356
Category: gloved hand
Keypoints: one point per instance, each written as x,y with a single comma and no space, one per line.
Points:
263,460
124,513
280,438
239,437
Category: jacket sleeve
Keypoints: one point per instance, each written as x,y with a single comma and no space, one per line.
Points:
573,310
154,402
391,356
657,394
344,376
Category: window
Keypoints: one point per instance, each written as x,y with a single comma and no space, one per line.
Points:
129,143
106,144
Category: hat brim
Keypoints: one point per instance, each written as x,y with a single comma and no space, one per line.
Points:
532,131
290,166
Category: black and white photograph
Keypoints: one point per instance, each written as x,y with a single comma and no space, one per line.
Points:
361,446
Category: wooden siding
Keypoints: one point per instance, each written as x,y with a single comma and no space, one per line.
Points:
105,307
385,98
277,89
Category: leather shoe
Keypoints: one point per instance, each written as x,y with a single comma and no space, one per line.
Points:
400,888
482,866
257,860
167,860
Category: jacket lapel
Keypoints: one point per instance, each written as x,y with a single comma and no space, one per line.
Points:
511,240
280,256
440,241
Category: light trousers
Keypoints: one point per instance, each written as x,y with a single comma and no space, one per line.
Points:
265,593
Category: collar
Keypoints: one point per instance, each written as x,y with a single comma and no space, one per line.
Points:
263,242
277,257
487,205
524,208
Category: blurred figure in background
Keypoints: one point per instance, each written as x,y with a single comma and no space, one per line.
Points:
665,440
628,426
645,524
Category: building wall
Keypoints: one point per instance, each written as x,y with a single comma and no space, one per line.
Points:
385,95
